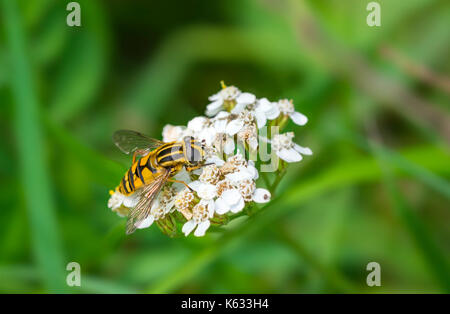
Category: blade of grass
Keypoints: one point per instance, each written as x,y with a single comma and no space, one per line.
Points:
395,159
45,237
433,181
331,275
437,263
339,176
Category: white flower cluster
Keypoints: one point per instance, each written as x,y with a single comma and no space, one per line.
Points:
234,113
222,188
228,183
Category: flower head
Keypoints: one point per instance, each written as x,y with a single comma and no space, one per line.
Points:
286,149
230,97
211,174
286,107
265,110
201,214
172,133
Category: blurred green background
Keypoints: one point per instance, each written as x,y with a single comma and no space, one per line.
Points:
376,189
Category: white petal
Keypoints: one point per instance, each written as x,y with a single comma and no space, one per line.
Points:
265,105
212,112
211,208
229,146
168,206
216,104
238,108
131,200
253,143
260,118
234,126
246,98
172,133
221,115
221,207
273,113
231,197
298,118
252,170
195,185
239,206
214,97
197,124
201,228
303,150
240,175
207,134
220,125
289,155
188,227
216,160
261,195
155,204
206,191
147,222
116,200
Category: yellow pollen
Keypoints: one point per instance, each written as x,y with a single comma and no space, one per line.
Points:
223,85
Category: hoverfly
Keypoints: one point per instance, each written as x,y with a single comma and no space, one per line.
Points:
154,163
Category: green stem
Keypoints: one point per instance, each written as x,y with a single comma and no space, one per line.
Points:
45,238
281,173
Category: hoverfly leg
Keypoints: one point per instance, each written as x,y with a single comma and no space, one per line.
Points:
182,182
189,169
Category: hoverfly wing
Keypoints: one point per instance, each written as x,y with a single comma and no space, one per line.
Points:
131,141
148,194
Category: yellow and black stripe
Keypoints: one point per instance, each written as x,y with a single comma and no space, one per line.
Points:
143,171
172,156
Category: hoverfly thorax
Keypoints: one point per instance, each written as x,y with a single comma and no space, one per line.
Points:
193,151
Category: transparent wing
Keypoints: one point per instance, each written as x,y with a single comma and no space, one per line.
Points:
148,195
130,141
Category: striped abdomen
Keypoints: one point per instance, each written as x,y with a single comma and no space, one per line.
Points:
147,168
